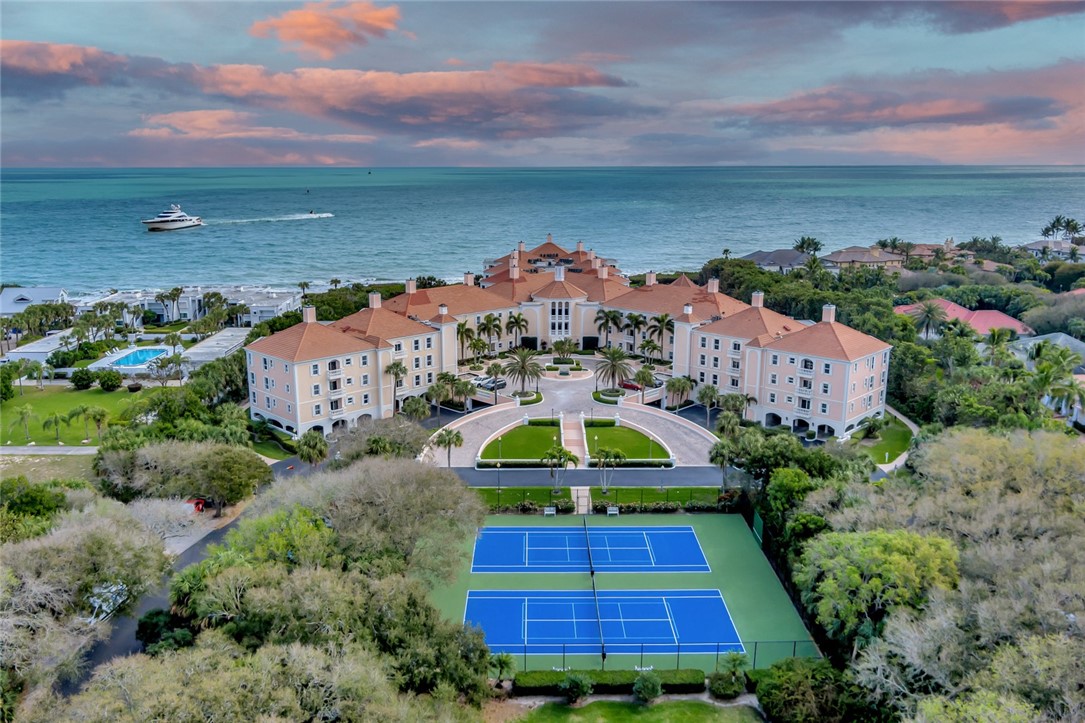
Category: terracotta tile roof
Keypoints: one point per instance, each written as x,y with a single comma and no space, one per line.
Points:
460,299
981,321
601,289
671,298
829,340
752,323
684,280
380,325
522,288
560,290
303,342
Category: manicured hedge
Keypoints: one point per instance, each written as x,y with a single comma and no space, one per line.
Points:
632,508
511,464
636,463
598,422
542,423
607,682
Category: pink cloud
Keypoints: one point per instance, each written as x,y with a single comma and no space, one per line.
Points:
455,62
324,29
228,124
456,144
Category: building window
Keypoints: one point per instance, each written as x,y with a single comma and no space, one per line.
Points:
334,405
289,407
716,344
418,362
348,361
254,397
702,359
772,397
734,383
416,344
286,368
316,390
333,365
252,377
700,377
418,380
736,346
734,365
350,381
774,359
790,380
365,399
267,402
429,342
885,357
790,400
287,388
704,343
808,365
315,370
824,408
715,380
333,385
267,383
365,380
365,360
398,346
429,360
824,387
350,401
791,360
715,362
265,360
317,410
827,368
429,377
772,378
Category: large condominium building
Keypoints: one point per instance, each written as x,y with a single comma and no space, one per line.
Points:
824,376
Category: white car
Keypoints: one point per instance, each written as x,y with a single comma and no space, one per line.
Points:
480,381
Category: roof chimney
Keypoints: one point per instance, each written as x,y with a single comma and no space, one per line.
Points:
757,299
514,272
308,314
591,254
412,286
374,300
468,279
596,262
687,309
521,247
580,246
559,273
603,271
713,286
828,313
650,278
442,309
549,238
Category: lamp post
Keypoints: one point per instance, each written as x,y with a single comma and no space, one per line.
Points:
499,480
500,456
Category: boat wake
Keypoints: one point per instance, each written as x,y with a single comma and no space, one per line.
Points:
272,219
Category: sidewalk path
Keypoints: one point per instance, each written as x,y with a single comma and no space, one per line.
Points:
902,458
47,450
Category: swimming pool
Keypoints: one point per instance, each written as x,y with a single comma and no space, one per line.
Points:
139,357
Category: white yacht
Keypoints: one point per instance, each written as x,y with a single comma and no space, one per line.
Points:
172,220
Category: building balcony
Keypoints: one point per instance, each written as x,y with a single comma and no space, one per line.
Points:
336,393
336,413
804,391
808,373
736,353
803,413
335,373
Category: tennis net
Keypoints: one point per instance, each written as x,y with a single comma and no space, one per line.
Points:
595,593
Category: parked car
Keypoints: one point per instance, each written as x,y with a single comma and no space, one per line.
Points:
658,382
481,381
627,384
489,385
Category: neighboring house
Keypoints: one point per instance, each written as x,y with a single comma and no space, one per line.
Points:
1051,249
982,321
1022,347
860,257
15,299
822,376
780,261
947,250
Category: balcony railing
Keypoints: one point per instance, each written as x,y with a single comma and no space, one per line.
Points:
803,372
734,352
337,413
335,373
804,391
804,413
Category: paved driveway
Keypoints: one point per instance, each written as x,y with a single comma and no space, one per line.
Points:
687,441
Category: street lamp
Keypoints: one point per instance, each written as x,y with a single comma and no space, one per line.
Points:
499,454
499,479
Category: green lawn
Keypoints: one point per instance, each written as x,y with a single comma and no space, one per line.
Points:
524,442
60,399
48,467
647,495
268,448
894,439
542,496
175,326
680,711
635,444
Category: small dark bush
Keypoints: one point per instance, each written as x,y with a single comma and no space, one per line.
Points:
83,378
110,380
686,680
726,686
647,687
598,422
576,686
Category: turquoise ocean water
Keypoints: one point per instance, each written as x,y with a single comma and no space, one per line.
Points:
81,228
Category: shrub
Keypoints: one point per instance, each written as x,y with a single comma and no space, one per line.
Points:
576,686
84,378
686,680
550,368
542,422
798,690
647,687
109,380
607,682
598,422
726,686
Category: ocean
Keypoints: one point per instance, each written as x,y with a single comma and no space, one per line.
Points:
81,228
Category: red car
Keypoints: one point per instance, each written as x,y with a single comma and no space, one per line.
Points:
630,385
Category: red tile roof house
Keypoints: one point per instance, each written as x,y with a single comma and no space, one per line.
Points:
981,320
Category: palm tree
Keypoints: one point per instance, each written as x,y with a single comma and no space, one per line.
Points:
607,319
608,457
558,459
648,348
722,455
708,396
523,366
1066,393
304,286
397,370
634,324
462,389
163,299
614,368
98,415
644,378
437,393
335,283
172,340
727,424
495,371
516,325
503,664
238,312
23,415
448,438
808,245
54,420
174,296
479,347
416,408
564,348
659,327
725,253
312,447
929,316
679,387
997,342
464,334
491,327
30,369
81,411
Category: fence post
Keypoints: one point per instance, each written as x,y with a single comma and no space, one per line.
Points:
563,655
753,666
794,647
642,655
525,656
678,657
717,656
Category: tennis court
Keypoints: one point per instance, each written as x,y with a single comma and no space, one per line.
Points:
623,622
580,549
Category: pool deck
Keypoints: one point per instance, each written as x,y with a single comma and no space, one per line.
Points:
110,362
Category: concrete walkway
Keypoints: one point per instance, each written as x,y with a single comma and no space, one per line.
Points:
582,499
902,458
44,450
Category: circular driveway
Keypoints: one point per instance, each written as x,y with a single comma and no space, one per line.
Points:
687,441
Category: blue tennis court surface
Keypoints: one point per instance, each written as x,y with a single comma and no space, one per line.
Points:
546,622
565,549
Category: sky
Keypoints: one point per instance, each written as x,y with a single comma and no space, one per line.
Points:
156,83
